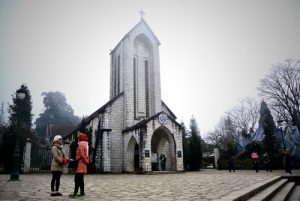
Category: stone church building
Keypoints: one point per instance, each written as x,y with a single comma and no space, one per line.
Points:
131,130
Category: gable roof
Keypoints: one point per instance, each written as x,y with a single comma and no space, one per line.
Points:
62,130
102,109
164,104
94,114
131,30
145,121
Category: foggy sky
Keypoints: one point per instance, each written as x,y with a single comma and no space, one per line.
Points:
212,53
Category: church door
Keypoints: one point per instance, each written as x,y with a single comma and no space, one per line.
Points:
133,156
136,157
163,142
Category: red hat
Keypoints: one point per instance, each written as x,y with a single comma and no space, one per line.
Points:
83,137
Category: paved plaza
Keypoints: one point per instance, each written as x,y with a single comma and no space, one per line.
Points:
203,185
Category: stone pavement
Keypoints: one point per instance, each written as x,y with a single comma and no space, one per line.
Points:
203,185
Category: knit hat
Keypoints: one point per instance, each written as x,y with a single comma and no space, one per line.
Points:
56,138
83,137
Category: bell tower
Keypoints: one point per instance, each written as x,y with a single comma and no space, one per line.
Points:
135,71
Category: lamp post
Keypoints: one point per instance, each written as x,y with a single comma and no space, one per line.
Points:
20,96
282,130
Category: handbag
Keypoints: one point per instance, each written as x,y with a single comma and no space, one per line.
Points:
73,164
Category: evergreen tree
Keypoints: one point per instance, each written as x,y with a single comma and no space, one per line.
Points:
195,146
57,112
185,147
267,122
20,122
229,141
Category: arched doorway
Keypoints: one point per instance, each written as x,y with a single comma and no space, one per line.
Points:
163,142
133,157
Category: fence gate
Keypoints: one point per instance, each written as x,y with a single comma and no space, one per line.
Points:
40,158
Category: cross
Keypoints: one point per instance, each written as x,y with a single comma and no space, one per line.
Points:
142,13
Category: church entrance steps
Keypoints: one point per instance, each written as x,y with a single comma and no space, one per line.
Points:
270,191
284,193
295,195
280,188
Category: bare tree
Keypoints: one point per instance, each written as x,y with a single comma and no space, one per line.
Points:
214,138
281,90
245,115
224,132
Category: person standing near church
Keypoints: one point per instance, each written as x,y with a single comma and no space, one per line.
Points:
162,159
287,161
82,155
231,164
255,159
59,160
267,162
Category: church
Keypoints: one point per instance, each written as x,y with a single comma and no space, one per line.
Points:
135,126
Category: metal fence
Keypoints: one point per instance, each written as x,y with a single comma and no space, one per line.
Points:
40,158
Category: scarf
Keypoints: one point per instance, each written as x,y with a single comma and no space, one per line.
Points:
86,145
58,145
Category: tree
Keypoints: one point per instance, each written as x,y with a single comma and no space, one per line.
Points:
267,122
195,146
185,146
20,117
57,111
3,130
281,87
245,115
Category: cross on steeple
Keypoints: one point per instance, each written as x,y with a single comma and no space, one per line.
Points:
142,13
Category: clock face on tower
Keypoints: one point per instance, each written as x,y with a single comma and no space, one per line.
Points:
162,118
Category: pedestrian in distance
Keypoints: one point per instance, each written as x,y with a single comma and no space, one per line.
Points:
59,160
267,162
231,164
255,160
82,155
162,159
287,161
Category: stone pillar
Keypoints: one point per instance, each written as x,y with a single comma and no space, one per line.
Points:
26,158
217,155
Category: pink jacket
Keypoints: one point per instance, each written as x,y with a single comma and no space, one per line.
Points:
82,156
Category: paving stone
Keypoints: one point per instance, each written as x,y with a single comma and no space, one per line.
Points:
202,185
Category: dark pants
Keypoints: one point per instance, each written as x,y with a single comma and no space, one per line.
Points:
256,166
231,167
55,180
268,166
79,183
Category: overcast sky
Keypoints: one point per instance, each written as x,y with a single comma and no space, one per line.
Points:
212,53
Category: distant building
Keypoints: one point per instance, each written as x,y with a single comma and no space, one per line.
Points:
63,130
131,130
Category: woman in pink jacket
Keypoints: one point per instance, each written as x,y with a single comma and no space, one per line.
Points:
82,154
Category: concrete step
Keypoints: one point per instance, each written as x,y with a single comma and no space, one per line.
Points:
284,193
250,191
270,191
267,193
295,195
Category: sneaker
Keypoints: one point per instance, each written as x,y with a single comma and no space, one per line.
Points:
53,194
82,194
58,194
74,195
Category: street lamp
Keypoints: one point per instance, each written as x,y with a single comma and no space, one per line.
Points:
14,176
282,130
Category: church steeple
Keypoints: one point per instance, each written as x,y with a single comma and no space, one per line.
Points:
135,70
